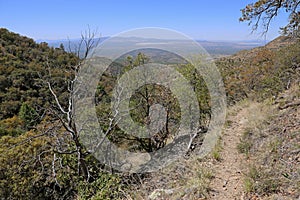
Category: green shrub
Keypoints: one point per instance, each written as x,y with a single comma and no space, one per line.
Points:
105,187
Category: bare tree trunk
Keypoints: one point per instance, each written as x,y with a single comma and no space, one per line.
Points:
66,115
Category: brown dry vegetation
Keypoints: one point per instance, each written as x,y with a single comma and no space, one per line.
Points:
273,150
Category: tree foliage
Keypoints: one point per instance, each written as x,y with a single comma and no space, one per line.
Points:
24,65
29,116
146,96
262,12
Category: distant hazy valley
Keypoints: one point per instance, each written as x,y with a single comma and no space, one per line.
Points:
214,48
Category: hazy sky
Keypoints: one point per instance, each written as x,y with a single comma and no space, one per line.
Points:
199,19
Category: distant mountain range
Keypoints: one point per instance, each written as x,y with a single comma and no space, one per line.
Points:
214,48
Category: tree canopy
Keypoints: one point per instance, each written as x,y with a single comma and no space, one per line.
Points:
262,12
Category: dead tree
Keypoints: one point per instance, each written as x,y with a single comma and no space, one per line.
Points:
64,114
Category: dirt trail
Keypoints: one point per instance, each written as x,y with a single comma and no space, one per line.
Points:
228,177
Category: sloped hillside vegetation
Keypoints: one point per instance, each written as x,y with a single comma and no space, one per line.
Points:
40,158
261,72
24,65
268,79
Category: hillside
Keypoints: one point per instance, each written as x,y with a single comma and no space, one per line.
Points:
25,113
257,156
261,72
264,85
25,66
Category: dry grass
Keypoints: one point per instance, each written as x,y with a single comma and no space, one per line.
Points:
216,152
184,179
271,143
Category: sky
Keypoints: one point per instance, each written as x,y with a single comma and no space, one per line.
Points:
198,19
